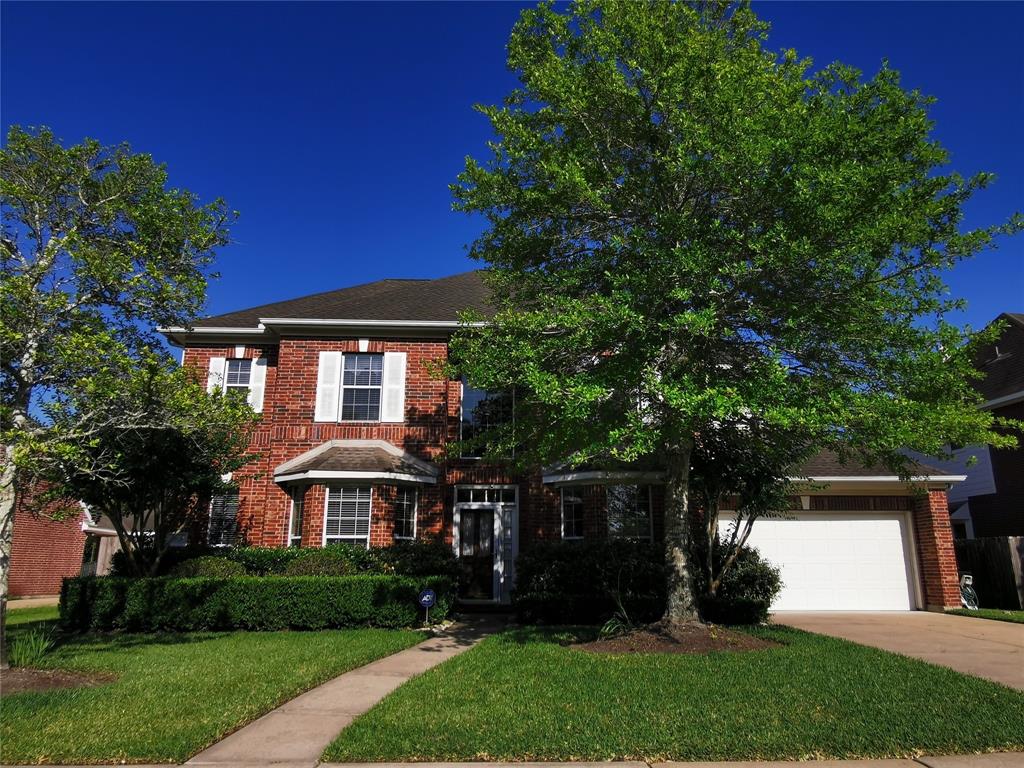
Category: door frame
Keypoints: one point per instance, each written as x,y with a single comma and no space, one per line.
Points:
506,536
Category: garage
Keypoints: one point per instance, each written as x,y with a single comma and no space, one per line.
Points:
839,561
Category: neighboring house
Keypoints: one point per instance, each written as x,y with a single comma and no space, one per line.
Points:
44,550
353,445
991,501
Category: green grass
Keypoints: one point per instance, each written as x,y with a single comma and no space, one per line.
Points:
521,696
1016,617
17,616
175,694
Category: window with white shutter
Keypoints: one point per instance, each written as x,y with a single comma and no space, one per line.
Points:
393,395
362,377
328,387
347,515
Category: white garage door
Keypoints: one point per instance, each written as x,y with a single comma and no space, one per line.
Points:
838,561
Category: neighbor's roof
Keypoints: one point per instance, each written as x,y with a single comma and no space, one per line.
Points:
1002,363
410,300
357,459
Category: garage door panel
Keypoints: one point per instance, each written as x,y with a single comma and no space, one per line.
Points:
846,561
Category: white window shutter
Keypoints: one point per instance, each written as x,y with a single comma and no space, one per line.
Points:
328,387
257,383
393,394
215,378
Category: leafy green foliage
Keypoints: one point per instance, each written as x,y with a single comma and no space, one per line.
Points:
588,582
207,566
688,232
248,602
521,695
996,614
28,648
746,590
334,560
184,691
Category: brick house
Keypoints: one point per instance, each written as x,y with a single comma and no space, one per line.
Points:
354,437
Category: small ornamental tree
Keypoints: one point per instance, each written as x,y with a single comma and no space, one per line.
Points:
95,251
145,445
686,230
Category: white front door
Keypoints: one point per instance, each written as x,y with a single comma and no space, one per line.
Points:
486,539
838,561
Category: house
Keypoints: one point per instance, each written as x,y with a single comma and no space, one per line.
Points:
991,500
353,449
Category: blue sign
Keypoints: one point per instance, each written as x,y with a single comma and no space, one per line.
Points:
427,598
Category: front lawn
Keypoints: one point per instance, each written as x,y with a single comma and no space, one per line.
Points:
40,613
1016,617
522,696
175,694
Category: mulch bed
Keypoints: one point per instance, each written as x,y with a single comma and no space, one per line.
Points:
685,638
20,680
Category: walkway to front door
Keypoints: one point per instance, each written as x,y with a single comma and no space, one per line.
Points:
981,647
297,732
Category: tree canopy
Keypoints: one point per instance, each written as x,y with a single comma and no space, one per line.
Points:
686,229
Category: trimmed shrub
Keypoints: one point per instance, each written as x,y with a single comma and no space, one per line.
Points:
208,565
332,560
588,582
746,592
248,602
263,561
419,558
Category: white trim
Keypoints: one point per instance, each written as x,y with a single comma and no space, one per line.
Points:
335,474
610,477
211,330
329,322
561,508
288,536
392,388
369,520
415,514
506,516
998,402
881,479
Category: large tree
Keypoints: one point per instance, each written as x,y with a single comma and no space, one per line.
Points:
95,250
142,443
687,232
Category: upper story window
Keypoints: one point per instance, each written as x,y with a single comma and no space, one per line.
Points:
362,378
481,412
360,386
572,513
405,513
238,376
347,517
629,512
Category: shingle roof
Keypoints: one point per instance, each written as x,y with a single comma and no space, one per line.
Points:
1002,362
375,456
827,464
430,300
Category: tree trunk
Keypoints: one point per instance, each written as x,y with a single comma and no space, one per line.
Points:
8,498
682,603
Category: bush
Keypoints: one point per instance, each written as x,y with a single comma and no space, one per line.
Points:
263,561
419,558
248,602
29,648
208,565
746,592
332,560
585,582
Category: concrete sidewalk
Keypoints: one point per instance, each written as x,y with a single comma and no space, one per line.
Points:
296,733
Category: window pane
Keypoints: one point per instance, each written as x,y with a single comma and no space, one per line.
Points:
360,404
482,411
462,495
508,495
223,519
629,511
238,373
295,528
405,513
572,514
348,515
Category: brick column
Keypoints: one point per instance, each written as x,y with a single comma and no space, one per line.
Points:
313,516
935,551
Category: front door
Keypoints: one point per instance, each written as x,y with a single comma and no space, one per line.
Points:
476,552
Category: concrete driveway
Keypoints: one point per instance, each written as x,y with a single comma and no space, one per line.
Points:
981,647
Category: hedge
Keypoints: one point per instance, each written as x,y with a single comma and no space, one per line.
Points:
406,558
585,582
248,602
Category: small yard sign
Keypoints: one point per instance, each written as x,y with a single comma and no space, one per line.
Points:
427,599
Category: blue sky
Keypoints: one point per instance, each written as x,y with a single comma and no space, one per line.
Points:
335,129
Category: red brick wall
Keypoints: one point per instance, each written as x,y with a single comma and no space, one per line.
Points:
43,552
936,555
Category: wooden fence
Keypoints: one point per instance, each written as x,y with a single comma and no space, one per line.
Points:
995,564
